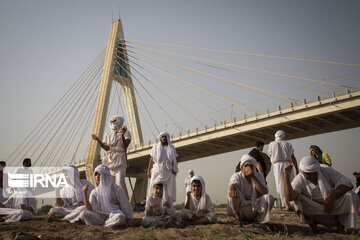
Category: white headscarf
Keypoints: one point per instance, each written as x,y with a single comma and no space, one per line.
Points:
117,124
249,159
202,204
104,189
171,153
159,180
309,165
280,135
74,175
191,171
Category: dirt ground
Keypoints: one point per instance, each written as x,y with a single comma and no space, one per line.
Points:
283,225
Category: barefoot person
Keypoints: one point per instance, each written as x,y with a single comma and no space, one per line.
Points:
72,197
158,209
107,204
248,198
322,195
163,164
198,207
115,144
282,153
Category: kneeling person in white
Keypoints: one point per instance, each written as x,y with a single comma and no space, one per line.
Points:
21,205
107,204
322,195
248,198
158,207
198,206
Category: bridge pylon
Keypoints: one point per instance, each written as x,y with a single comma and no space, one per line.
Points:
118,70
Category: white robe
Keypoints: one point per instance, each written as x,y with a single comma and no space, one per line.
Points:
116,156
281,152
310,202
13,208
117,217
250,204
69,199
160,214
188,183
163,168
187,214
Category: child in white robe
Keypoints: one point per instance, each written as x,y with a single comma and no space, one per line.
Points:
198,207
107,204
248,198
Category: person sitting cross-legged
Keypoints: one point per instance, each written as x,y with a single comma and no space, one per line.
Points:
198,207
321,195
107,204
158,209
248,198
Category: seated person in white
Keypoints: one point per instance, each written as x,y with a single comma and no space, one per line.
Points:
321,195
248,198
72,197
21,205
159,209
198,207
107,204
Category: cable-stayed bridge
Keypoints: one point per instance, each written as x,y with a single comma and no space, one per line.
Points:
218,95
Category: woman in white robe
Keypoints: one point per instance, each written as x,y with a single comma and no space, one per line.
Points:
158,209
21,205
198,206
163,165
322,195
71,197
248,198
107,204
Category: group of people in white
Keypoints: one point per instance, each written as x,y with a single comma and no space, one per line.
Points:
317,192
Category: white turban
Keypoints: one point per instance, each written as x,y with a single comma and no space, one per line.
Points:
104,189
165,134
72,172
249,159
160,180
280,135
309,165
117,124
202,204
191,171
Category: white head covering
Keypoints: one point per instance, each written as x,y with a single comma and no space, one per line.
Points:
171,152
156,181
165,134
280,135
73,173
309,165
202,204
191,171
246,158
104,189
119,123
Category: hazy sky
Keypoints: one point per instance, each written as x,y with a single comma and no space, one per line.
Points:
46,45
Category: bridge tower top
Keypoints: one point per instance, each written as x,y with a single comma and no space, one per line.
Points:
116,69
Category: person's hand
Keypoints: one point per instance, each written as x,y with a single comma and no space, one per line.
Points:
288,169
188,194
85,188
174,172
94,137
328,203
232,192
149,174
22,206
123,131
80,203
166,204
203,211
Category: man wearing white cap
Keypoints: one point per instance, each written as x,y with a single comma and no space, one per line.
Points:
198,207
70,198
158,209
163,164
115,144
282,153
107,204
248,198
187,181
322,195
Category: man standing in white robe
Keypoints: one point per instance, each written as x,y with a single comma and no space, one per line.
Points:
282,153
322,195
163,164
198,207
21,205
188,182
248,198
115,144
70,198
3,182
158,209
107,204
